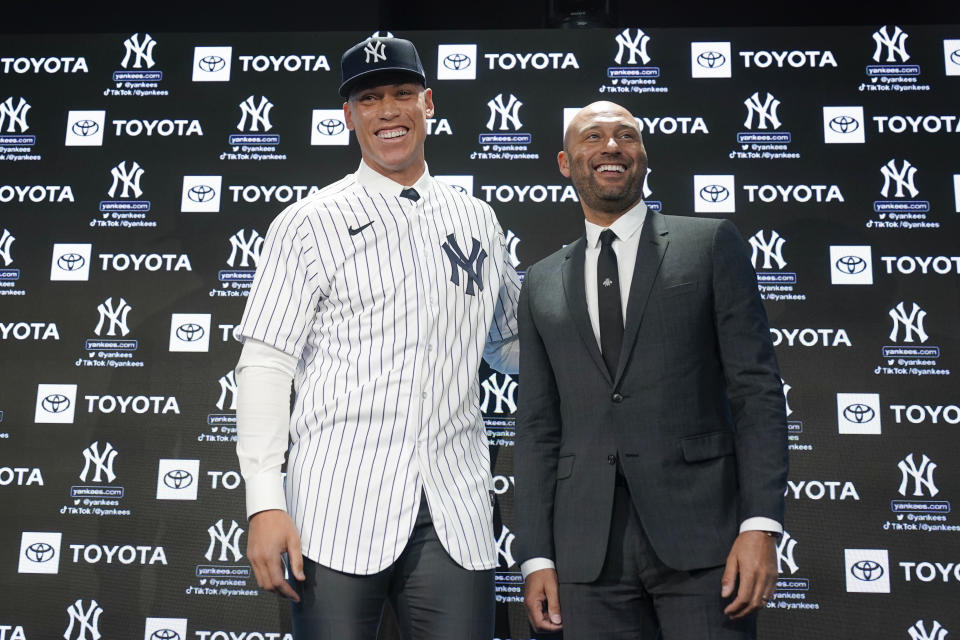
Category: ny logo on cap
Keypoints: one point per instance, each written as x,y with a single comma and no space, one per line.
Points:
375,51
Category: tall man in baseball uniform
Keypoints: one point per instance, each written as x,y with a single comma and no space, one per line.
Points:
377,297
651,456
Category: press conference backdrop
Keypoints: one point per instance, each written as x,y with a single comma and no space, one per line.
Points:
140,173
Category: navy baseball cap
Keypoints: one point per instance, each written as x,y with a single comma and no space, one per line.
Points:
379,55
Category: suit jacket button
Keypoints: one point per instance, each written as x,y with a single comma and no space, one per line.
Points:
611,459
617,397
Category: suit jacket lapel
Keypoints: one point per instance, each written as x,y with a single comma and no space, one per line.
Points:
573,288
653,245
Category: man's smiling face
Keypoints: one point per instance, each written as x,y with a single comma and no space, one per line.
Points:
390,122
604,157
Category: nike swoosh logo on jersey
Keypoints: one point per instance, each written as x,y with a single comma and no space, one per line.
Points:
354,232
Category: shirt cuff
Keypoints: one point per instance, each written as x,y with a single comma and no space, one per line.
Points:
761,524
264,492
536,564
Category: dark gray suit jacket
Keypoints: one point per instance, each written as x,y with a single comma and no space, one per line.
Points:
695,413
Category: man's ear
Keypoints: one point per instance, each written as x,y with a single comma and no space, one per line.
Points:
347,116
563,162
428,102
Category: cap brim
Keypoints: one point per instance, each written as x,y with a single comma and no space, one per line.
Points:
347,86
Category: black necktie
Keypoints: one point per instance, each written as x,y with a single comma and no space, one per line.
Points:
609,309
410,193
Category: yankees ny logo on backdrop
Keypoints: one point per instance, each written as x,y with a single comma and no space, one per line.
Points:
471,265
6,240
229,541
83,622
635,46
129,180
14,116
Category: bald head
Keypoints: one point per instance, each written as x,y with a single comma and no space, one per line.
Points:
603,156
600,112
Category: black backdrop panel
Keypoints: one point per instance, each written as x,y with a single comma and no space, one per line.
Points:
139,175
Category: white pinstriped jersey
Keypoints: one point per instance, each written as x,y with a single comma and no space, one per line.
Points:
388,305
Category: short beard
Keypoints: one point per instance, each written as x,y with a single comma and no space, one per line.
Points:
618,203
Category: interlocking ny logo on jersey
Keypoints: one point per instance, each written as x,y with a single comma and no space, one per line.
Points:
471,265
129,179
14,117
142,49
375,51
83,622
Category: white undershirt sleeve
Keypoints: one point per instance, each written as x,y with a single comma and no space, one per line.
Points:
502,350
263,375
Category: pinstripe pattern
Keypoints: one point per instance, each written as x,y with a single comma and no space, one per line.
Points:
388,348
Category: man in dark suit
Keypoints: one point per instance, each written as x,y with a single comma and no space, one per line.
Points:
651,456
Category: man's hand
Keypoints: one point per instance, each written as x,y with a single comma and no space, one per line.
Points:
543,603
754,558
271,533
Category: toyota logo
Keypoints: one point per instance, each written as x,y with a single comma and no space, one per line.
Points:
39,552
190,332
456,61
711,59
858,413
867,570
714,193
55,403
85,128
211,63
851,264
164,634
330,126
71,261
201,193
844,124
178,479
955,56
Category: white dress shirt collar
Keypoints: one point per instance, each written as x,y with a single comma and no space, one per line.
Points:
374,181
624,226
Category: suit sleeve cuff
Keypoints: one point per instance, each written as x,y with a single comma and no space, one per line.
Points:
535,564
264,492
761,524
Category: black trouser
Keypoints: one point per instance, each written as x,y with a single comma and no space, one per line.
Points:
637,596
432,596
